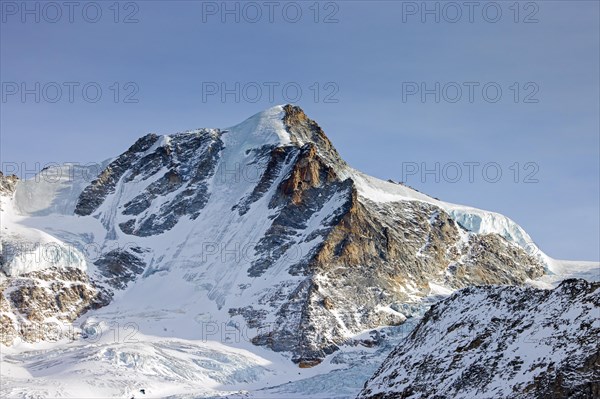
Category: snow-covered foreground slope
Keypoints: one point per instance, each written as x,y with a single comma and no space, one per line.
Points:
118,361
500,342
160,367
249,246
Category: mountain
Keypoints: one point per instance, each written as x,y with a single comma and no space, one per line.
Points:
500,342
232,259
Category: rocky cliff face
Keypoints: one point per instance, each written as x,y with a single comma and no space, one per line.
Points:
266,226
500,342
44,285
182,164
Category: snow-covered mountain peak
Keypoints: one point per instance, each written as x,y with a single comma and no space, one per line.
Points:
263,128
265,226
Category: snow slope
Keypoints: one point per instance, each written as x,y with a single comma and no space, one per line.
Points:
25,249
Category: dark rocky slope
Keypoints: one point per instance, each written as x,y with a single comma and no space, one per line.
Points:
500,342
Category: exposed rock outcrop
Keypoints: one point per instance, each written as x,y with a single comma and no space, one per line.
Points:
8,184
40,306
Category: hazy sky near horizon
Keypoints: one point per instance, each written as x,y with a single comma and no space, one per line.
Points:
443,98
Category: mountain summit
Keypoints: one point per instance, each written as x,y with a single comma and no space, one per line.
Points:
261,227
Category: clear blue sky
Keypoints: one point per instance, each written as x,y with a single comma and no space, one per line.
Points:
370,56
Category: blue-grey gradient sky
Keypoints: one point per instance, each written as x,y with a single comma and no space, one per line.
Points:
367,55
